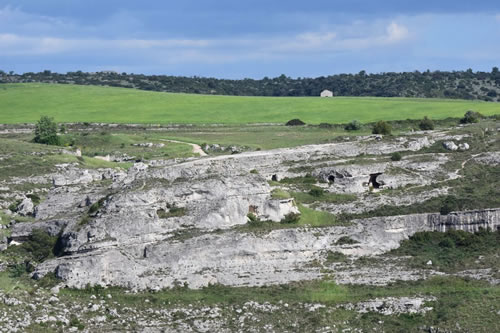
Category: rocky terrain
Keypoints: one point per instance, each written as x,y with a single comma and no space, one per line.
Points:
335,212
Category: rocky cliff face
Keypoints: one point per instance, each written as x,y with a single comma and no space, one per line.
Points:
165,224
236,258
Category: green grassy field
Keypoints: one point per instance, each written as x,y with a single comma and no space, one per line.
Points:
72,103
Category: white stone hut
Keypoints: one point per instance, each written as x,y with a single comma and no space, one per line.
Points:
326,93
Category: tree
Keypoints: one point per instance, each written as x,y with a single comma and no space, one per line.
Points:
353,126
381,127
471,117
46,132
426,124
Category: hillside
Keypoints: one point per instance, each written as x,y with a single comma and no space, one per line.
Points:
457,84
76,103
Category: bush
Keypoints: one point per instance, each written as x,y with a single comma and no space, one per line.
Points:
34,198
396,156
316,191
325,125
295,122
426,124
471,117
353,126
345,240
13,206
62,129
450,204
254,221
291,218
46,132
381,127
38,247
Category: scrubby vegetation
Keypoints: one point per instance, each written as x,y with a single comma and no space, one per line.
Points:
38,247
173,211
471,117
353,126
381,127
473,305
452,251
426,124
456,84
478,189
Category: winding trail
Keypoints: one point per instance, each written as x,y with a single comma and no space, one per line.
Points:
196,148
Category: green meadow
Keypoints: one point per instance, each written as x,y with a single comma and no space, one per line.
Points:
21,103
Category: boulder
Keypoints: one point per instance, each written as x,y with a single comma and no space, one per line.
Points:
463,146
25,208
450,145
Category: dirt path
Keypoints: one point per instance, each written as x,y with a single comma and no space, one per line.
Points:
196,148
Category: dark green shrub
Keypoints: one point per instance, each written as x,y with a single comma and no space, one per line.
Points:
38,247
97,205
345,240
295,122
426,124
252,217
450,204
46,132
332,257
325,125
75,322
471,117
353,126
307,179
173,211
19,269
316,191
290,218
381,127
13,206
453,250
254,221
447,242
396,156
34,198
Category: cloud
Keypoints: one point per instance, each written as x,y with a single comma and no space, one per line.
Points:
370,35
356,37
396,32
13,20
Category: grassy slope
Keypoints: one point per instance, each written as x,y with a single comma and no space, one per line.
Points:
72,103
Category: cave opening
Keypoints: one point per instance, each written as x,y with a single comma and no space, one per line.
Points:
373,180
331,179
274,178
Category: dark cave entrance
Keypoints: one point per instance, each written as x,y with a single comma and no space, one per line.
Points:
274,178
331,179
373,180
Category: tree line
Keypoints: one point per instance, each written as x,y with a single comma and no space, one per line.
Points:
430,84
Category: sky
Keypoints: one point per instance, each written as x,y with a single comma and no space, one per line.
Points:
248,39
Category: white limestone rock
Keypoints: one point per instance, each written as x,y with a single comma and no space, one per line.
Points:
450,145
